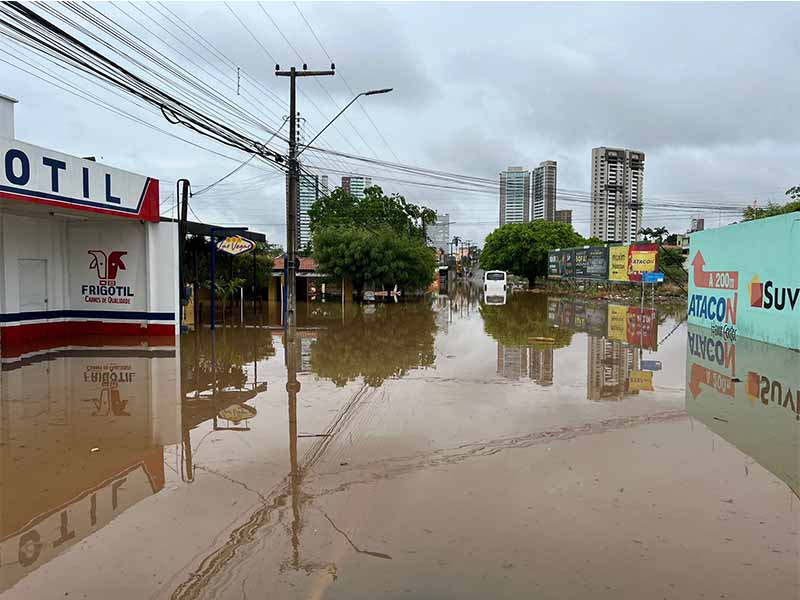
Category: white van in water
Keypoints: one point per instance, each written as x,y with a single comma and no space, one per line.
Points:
495,282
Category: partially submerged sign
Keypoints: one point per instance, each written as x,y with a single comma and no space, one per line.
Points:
236,245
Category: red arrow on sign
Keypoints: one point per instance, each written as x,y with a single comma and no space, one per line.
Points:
723,280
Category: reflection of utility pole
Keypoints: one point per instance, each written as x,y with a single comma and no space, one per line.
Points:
292,387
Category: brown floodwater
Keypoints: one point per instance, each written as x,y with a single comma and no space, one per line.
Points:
463,447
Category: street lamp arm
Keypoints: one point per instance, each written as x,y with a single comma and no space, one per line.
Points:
321,131
339,114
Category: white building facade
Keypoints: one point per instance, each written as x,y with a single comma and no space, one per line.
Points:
617,194
310,189
544,191
515,196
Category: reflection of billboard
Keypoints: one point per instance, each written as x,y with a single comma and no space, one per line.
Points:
748,392
633,325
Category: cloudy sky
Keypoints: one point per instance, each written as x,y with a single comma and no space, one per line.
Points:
708,91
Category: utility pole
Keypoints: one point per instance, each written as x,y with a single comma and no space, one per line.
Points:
292,190
183,186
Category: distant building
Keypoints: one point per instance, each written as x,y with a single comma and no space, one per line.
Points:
544,192
310,189
617,193
698,224
439,233
356,185
564,216
515,195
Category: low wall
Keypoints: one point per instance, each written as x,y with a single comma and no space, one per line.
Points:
744,280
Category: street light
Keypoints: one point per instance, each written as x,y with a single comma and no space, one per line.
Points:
349,104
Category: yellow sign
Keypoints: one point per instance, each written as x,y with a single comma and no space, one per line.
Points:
618,322
618,263
643,261
235,245
641,381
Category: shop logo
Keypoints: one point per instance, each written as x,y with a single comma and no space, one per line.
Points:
107,266
769,296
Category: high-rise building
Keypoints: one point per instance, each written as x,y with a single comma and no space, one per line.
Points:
515,196
544,192
310,189
356,185
617,193
564,216
439,233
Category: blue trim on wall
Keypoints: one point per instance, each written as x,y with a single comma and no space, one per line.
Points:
86,314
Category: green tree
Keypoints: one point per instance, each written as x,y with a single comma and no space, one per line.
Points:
751,213
341,208
655,235
377,256
521,248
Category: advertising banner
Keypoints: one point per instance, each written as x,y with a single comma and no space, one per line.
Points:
618,263
641,381
561,263
643,261
744,280
591,263
29,173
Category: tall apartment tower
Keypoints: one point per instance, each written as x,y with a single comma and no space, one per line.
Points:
617,193
544,192
310,189
356,185
609,367
515,196
439,233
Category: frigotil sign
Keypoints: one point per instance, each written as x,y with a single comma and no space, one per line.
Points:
32,174
235,245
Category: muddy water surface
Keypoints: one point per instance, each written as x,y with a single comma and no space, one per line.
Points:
457,448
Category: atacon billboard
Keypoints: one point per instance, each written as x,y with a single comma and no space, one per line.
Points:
32,174
745,280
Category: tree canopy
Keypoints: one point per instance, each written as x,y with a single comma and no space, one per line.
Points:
341,208
375,240
521,248
751,213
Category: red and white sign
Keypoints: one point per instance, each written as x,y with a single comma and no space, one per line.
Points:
29,173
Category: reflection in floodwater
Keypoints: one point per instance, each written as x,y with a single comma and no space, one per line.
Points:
748,392
83,432
376,344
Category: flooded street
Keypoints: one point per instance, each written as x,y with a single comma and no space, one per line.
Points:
453,448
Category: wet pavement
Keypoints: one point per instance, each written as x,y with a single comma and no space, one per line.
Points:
459,448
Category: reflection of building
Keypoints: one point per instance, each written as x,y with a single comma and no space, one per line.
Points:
512,361
310,189
610,363
541,366
439,233
564,216
617,193
356,185
544,192
515,194
83,434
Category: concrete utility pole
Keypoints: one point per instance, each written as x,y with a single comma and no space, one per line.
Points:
292,190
